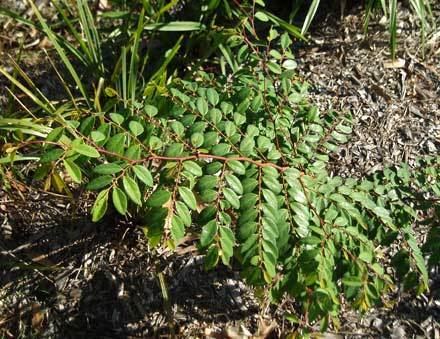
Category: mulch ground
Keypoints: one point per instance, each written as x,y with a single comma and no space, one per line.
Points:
62,276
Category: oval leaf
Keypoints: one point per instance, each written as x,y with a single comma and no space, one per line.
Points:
158,198
188,197
73,170
86,150
132,189
231,197
208,233
143,174
99,182
119,200
136,128
110,168
100,206
193,168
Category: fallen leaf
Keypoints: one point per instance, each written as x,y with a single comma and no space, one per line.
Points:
398,63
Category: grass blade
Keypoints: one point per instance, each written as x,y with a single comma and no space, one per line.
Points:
91,34
175,26
43,105
393,28
53,39
310,15
134,60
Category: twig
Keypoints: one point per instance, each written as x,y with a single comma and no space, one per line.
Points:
165,158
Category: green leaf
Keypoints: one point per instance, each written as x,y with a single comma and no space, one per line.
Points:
183,213
99,182
155,143
270,198
150,110
158,198
133,152
290,64
178,128
221,149
175,26
55,134
174,150
234,183
236,166
272,183
206,182
100,206
119,200
213,97
208,234
143,174
110,168
117,118
86,150
73,170
269,264
232,198
51,155
247,145
97,136
110,92
261,16
188,197
257,102
366,256
230,128
227,241
193,168
177,228
382,213
211,258
352,281
116,143
136,128
132,189
202,106
274,67
208,195
197,139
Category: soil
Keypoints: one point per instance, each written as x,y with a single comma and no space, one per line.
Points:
62,276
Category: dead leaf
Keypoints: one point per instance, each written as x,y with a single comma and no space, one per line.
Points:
37,316
398,63
265,329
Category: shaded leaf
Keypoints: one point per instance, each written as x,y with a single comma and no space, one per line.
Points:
73,170
208,234
100,206
99,182
119,200
158,198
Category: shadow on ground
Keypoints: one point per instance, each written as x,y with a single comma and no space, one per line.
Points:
67,277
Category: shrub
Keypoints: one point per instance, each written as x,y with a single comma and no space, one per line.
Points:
238,160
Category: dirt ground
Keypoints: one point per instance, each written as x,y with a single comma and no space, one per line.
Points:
62,276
